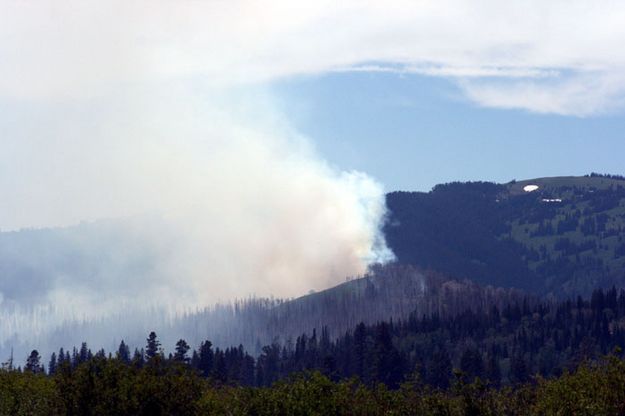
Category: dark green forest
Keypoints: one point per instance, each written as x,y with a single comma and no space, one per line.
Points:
563,239
102,386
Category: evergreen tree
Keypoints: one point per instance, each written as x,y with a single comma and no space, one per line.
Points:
84,353
182,348
387,365
360,351
471,364
329,367
206,355
493,371
438,370
195,360
152,347
267,365
247,370
60,359
219,372
33,363
52,364
138,358
123,352
519,373
75,357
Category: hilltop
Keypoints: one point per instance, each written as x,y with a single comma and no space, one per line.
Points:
552,236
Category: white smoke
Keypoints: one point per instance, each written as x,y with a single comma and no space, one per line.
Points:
208,193
241,210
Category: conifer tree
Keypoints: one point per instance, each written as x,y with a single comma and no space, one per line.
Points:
33,363
152,347
182,348
206,355
123,352
52,364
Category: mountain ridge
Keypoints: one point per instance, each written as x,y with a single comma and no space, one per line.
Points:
564,238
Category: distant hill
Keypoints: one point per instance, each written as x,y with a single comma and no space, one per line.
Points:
388,292
561,236
391,292
100,255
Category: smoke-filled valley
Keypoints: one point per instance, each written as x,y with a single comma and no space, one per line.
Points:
386,292
269,234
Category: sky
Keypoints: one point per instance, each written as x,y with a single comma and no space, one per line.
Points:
264,134
414,131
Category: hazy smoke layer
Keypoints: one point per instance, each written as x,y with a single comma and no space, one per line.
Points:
208,194
221,210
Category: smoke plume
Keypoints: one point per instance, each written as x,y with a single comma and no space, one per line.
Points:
170,191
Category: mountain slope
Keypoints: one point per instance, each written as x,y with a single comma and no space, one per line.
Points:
564,238
390,292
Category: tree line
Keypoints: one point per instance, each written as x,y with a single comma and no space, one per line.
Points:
501,346
105,386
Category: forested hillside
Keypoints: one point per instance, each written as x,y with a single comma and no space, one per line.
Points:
390,292
524,359
563,237
501,344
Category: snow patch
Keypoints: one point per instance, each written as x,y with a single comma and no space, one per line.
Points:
530,188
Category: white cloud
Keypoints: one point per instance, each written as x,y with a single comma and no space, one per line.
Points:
580,94
52,49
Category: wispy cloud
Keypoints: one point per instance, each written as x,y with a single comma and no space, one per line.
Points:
454,72
51,49
580,94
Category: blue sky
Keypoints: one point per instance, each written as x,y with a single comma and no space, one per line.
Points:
412,131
